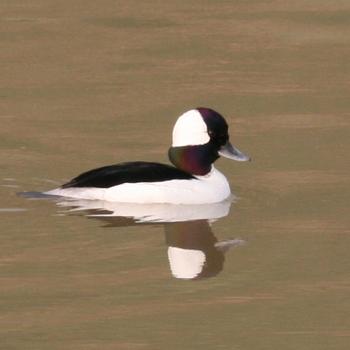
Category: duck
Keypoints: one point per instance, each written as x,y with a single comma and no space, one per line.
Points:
199,137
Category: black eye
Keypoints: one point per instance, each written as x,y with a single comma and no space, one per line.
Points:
219,138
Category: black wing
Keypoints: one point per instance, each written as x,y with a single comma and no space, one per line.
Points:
131,172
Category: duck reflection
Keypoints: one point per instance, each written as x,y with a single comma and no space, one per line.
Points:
193,250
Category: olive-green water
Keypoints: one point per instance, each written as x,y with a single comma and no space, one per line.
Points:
89,83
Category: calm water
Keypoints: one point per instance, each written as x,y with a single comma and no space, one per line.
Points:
94,83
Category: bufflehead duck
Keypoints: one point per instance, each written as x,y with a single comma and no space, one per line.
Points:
199,138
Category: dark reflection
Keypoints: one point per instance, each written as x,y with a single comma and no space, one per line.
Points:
193,250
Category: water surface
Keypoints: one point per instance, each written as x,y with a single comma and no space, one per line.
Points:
95,83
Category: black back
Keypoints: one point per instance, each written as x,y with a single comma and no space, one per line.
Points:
130,172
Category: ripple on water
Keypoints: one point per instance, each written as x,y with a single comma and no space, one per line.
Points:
12,210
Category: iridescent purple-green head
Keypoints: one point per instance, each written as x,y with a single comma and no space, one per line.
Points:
200,137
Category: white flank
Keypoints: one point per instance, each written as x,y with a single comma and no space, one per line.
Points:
211,188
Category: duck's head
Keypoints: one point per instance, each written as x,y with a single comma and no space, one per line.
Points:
200,137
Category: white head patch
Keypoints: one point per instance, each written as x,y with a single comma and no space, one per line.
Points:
190,129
